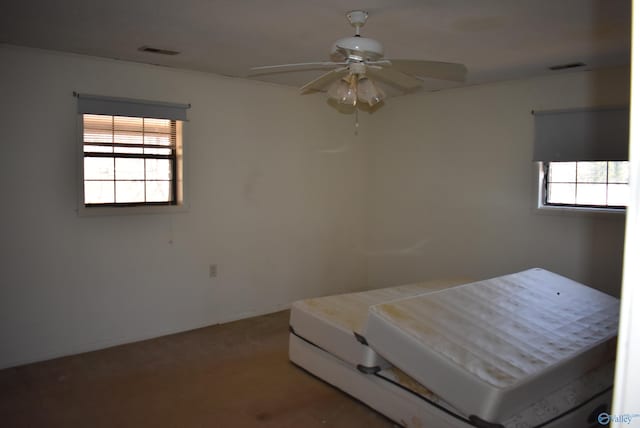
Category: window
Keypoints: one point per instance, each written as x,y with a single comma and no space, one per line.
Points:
131,153
129,160
589,184
582,156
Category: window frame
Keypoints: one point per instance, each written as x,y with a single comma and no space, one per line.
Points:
109,209
543,207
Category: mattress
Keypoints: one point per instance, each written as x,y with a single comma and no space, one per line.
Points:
409,404
493,348
335,323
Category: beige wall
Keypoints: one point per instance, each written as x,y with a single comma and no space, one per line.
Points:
451,187
283,198
275,186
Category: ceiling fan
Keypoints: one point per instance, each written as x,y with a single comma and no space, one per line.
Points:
357,63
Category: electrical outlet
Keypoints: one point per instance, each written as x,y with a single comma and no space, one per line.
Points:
213,271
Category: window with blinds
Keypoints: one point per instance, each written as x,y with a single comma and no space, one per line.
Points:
583,158
129,161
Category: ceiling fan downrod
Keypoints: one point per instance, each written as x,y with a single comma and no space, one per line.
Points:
357,19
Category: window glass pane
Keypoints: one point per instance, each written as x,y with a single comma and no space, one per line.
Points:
618,194
591,194
129,169
129,191
619,172
158,191
158,169
120,149
98,192
592,172
98,169
119,179
594,184
98,149
561,193
156,151
562,172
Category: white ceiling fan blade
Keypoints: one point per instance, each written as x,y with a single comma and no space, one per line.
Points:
395,78
325,80
381,62
281,68
432,69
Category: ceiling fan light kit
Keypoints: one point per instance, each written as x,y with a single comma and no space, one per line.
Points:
344,91
368,92
357,63
354,88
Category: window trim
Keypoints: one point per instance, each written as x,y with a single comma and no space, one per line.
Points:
180,205
543,208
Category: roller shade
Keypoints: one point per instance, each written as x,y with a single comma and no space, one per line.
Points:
581,135
97,104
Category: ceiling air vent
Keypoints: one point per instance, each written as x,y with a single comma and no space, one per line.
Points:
566,66
157,50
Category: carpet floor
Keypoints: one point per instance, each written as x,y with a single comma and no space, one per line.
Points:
229,375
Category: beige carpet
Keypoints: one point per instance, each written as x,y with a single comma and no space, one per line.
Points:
231,375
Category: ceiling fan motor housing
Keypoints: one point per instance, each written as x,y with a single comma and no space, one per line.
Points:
358,49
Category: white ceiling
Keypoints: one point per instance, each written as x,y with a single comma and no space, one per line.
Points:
495,39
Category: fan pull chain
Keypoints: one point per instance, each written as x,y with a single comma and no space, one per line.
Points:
357,125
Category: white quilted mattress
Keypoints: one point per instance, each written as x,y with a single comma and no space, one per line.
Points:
332,322
494,347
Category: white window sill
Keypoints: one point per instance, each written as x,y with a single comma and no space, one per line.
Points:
580,211
114,211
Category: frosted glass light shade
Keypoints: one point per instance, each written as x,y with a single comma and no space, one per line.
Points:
368,92
351,97
337,90
344,92
350,90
